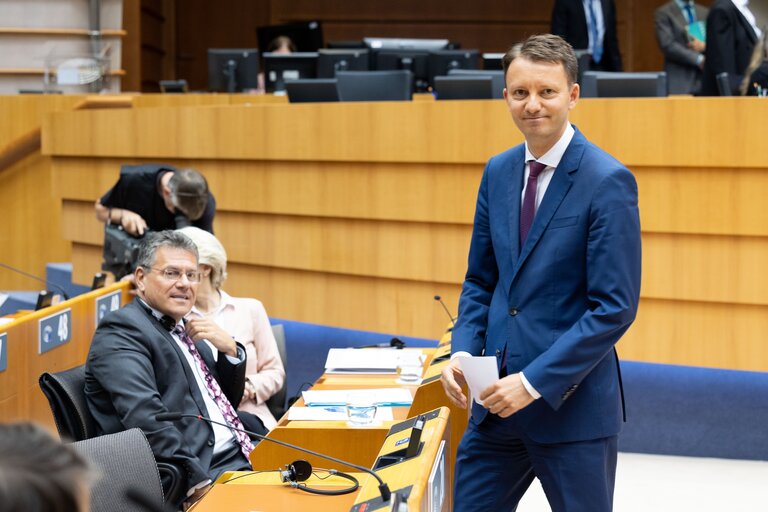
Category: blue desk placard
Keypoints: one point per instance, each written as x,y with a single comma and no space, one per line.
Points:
106,304
55,330
3,352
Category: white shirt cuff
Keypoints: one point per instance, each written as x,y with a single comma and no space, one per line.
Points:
198,486
531,390
240,356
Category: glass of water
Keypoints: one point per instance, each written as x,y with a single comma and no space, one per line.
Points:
361,411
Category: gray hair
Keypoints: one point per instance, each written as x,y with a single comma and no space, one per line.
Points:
168,238
189,192
211,252
545,48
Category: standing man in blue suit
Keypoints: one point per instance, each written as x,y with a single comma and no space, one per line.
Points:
553,282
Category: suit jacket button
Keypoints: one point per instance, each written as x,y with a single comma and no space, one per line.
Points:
498,353
513,311
210,442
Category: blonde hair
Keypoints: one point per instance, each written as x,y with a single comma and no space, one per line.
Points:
211,253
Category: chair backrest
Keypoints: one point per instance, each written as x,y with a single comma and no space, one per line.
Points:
65,392
394,85
276,402
617,84
125,467
312,90
459,87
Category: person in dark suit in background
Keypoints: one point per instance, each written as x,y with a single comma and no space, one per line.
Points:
552,283
589,25
731,37
146,360
683,53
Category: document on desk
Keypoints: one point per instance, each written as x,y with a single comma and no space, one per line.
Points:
386,397
333,414
372,360
479,372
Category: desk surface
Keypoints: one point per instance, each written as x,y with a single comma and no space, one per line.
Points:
263,492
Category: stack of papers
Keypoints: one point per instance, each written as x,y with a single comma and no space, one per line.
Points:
384,397
333,414
383,360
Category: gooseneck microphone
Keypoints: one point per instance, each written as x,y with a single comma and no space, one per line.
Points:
440,300
36,278
386,494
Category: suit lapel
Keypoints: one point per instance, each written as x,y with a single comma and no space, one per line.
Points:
747,27
556,192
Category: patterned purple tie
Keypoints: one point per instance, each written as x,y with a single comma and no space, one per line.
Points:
230,416
529,199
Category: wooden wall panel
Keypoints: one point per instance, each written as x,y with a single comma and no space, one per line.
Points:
361,230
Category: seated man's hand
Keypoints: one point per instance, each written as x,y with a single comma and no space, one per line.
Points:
196,496
201,328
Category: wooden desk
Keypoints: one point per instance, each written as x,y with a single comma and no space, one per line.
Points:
264,492
20,395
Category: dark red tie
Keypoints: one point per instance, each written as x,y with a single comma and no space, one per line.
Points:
529,199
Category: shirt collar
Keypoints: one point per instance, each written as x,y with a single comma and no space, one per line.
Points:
552,157
157,314
682,3
740,3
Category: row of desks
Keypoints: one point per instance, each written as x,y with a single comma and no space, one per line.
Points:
359,445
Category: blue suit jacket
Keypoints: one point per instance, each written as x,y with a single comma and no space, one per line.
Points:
560,303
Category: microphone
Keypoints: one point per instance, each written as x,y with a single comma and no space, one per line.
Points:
31,276
386,494
440,300
393,343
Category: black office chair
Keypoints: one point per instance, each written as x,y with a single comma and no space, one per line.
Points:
395,85
65,392
126,471
276,403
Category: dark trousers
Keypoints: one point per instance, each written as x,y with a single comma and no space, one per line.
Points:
496,464
232,459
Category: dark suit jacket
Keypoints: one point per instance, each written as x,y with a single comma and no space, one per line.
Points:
559,304
680,61
570,22
135,370
730,41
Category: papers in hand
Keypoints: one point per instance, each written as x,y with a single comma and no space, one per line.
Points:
479,372
382,360
387,397
333,413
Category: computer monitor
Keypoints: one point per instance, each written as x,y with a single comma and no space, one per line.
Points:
331,61
414,61
233,69
466,87
442,61
497,79
492,61
306,35
279,67
399,43
605,84
312,90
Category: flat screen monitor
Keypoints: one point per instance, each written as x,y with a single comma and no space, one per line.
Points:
313,90
331,61
492,61
603,84
279,67
497,79
443,61
466,87
414,61
233,69
398,43
306,35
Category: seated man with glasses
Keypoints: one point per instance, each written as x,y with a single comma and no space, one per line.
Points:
146,359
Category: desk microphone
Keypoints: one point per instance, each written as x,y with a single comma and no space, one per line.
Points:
393,343
440,300
32,276
386,494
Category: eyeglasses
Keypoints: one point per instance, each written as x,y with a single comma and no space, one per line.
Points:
173,274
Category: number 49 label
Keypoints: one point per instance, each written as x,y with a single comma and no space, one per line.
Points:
55,330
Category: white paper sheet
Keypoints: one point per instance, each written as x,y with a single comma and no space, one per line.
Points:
480,372
333,414
370,360
338,397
